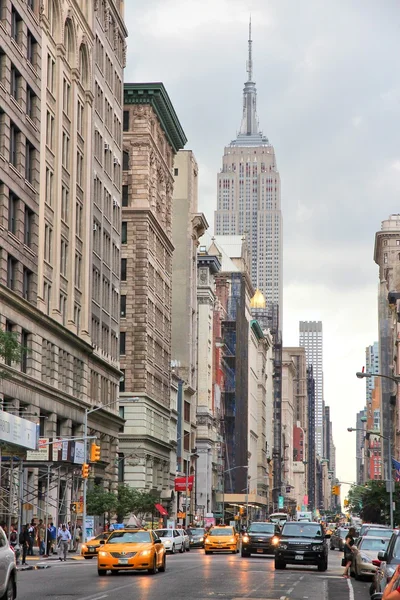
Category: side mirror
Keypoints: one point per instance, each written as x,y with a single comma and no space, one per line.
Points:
102,542
382,556
157,541
376,563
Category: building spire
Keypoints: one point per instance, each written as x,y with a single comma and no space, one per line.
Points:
250,61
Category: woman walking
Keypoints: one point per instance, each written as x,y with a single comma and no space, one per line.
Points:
348,555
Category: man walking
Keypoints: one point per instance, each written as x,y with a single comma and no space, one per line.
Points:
53,538
64,537
41,535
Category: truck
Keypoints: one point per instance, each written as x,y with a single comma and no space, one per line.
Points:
304,516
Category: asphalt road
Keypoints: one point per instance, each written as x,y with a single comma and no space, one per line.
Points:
193,576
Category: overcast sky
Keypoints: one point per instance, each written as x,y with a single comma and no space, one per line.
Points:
328,82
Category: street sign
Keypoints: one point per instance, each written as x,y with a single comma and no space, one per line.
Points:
200,506
281,501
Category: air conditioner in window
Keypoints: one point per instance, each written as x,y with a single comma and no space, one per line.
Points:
106,146
116,161
94,226
115,202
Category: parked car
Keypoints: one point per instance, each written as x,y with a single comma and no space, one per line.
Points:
365,553
337,538
8,569
186,538
196,537
365,526
386,562
91,548
378,532
302,543
172,540
260,538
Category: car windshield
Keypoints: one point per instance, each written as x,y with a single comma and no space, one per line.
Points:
383,533
198,531
306,530
343,533
262,528
221,532
101,536
163,533
373,544
129,537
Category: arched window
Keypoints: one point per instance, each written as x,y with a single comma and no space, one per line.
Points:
52,14
69,41
84,66
125,160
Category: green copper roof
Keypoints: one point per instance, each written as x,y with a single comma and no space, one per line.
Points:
255,325
156,95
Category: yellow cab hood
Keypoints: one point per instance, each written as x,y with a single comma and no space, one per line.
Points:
126,547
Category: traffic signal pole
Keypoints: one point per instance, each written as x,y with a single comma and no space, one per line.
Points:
85,432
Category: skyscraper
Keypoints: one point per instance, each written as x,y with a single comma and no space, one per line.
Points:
249,196
311,340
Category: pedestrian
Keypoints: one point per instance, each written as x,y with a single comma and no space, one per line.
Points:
32,535
348,555
24,542
53,538
41,535
14,543
63,540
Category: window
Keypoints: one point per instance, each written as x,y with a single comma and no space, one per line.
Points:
123,306
63,257
79,169
31,49
11,272
25,343
77,317
26,283
187,411
29,161
50,130
176,171
186,441
123,269
126,120
122,389
30,102
122,342
125,193
78,219
64,204
14,133
78,270
49,186
124,232
47,296
66,97
16,26
125,160
51,67
28,223
48,242
63,307
12,213
15,83
65,150
80,118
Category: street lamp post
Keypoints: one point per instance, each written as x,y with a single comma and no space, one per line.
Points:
362,375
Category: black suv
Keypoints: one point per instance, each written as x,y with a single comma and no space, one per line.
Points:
302,543
259,539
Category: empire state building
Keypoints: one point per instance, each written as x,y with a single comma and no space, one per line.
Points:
249,197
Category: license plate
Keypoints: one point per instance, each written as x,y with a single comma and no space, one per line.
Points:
299,557
123,561
260,550
91,550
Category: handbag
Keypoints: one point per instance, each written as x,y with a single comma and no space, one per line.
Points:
344,562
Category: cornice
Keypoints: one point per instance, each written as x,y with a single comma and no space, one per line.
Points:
156,96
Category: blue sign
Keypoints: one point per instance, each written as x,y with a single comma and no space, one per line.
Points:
280,501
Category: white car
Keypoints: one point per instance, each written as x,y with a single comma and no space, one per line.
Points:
365,552
8,569
186,538
172,540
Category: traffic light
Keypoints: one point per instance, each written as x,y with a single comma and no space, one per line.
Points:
336,490
85,471
73,507
346,502
94,452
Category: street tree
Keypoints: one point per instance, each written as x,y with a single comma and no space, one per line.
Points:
10,350
100,501
144,503
371,502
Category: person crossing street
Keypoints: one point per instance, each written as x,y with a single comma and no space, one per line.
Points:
64,537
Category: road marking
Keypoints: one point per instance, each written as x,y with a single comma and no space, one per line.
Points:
99,597
351,589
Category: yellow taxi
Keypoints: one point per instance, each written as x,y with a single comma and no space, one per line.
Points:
221,538
91,547
131,550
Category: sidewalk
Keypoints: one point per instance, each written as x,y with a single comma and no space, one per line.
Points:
54,557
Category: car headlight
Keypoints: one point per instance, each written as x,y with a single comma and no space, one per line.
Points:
275,540
103,554
316,548
245,539
201,539
232,541
283,546
84,547
145,553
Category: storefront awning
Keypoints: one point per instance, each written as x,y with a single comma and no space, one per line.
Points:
161,510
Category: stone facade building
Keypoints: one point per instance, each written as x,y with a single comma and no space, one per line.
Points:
152,137
52,71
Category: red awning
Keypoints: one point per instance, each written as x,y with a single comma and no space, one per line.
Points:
161,510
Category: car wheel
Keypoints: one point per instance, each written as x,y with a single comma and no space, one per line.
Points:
153,569
101,572
9,593
208,552
173,549
280,565
188,549
244,553
88,557
182,548
163,565
323,566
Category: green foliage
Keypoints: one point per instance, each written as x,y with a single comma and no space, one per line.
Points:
10,349
371,502
123,502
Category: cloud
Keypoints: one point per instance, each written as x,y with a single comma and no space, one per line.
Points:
328,100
